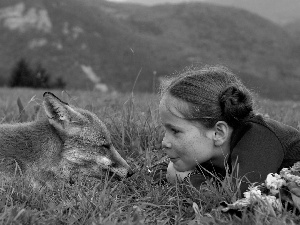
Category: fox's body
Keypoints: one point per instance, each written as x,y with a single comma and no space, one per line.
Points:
68,140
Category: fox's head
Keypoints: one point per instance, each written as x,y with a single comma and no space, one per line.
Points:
87,142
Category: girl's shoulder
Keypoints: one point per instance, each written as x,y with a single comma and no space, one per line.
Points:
289,137
281,130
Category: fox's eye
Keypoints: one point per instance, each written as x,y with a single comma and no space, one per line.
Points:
75,122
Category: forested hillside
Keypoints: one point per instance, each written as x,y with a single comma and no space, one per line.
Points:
119,42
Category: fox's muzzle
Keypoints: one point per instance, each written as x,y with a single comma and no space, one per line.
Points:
115,164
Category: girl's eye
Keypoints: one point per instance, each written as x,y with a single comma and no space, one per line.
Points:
174,131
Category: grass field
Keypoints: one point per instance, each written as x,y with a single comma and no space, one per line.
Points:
136,132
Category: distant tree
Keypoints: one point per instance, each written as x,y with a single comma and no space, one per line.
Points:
3,81
24,76
21,75
59,83
42,77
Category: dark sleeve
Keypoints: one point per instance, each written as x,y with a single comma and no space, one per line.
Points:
196,180
257,154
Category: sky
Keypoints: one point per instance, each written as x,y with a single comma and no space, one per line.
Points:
117,0
151,2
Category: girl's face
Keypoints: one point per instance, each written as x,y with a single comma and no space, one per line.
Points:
187,143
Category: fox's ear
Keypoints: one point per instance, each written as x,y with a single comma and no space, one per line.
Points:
58,112
54,107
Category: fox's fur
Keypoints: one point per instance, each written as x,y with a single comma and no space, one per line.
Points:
68,140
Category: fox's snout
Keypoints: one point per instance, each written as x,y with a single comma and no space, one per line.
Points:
118,165
114,164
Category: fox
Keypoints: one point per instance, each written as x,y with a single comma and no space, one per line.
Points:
65,141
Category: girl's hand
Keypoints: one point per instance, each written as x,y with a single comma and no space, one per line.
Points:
163,172
191,177
174,176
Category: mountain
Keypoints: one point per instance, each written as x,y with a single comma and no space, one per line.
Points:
206,33
278,11
294,28
97,43
73,36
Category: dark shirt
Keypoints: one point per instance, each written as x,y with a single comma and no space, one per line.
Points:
258,147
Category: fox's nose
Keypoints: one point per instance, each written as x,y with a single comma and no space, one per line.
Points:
129,173
166,144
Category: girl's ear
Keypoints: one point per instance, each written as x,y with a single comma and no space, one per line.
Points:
222,133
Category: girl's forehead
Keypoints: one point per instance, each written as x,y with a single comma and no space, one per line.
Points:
173,105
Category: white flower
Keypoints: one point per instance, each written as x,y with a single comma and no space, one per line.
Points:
286,174
271,203
274,202
270,199
273,182
253,192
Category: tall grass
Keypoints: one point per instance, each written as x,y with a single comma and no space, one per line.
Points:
133,121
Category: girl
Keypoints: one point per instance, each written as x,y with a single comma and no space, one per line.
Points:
210,125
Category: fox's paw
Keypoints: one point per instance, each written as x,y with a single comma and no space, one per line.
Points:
43,180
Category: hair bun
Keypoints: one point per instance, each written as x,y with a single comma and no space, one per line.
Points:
236,104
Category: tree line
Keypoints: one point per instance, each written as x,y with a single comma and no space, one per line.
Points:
24,75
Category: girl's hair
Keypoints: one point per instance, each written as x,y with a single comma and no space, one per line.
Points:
212,94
